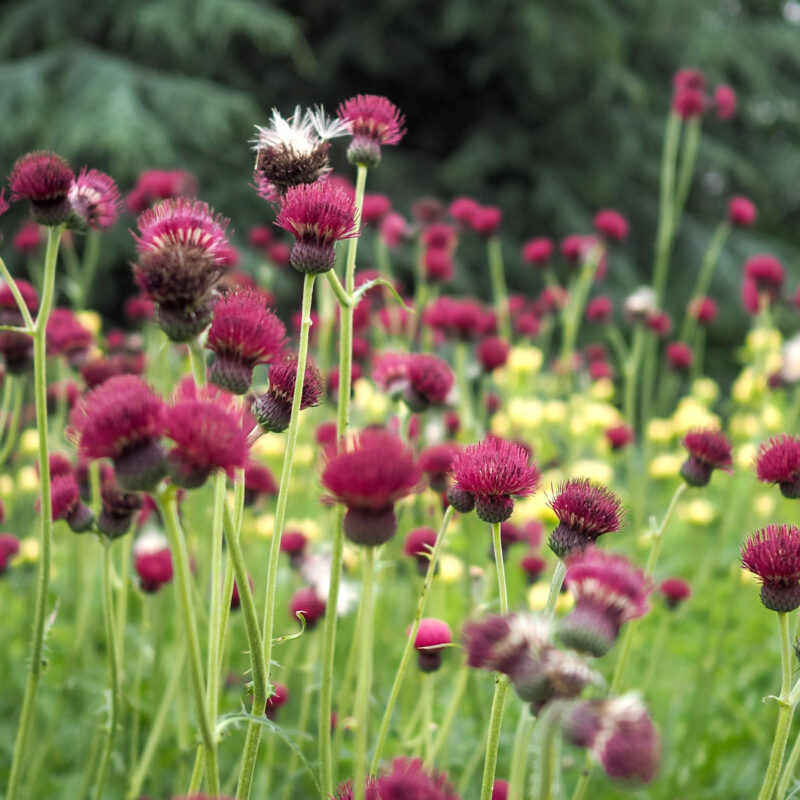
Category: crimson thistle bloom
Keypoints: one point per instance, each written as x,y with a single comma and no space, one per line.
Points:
741,212
708,450
675,591
419,545
435,462
118,508
773,555
679,356
44,179
538,252
160,184
244,333
433,636
65,503
703,310
611,224
430,380
66,336
294,544
619,733
533,566
725,102
373,122
153,564
585,511
778,461
492,473
308,603
608,592
318,215
619,436
95,199
258,480
493,353
273,409
122,419
16,348
369,473
9,547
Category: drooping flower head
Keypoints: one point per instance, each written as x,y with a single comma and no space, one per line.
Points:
273,409
709,449
435,461
585,511
608,592
318,215
619,733
773,555
433,636
122,419
373,121
294,150
67,337
206,425
43,179
66,504
778,461
308,603
183,252
160,184
118,508
674,591
95,199
243,333
430,380
369,473
493,472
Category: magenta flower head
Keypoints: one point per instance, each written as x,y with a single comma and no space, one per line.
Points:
675,591
318,215
499,789
95,200
778,461
154,568
533,566
44,179
273,409
585,511
432,637
703,310
611,225
294,544
123,419
66,504
608,591
183,252
206,425
741,212
409,778
9,547
430,381
679,356
369,473
244,333
725,102
67,337
308,603
435,462
763,279
773,555
538,252
373,121
619,733
600,309
419,545
160,184
688,102
390,373
619,436
16,348
493,353
118,508
491,474
278,698
708,450
258,481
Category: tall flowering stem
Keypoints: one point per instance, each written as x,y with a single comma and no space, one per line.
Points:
197,358
168,507
519,754
688,159
785,710
46,530
548,768
666,220
409,647
501,685
559,573
342,421
573,312
497,273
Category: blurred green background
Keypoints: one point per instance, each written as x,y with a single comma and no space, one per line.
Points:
548,109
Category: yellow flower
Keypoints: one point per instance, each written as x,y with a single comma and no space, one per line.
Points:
362,392
6,485
27,479
698,512
90,320
745,426
540,591
764,504
270,445
706,390
692,414
29,441
660,430
451,568
599,471
304,455
772,417
524,413
744,386
265,524
378,405
667,465
601,415
761,339
525,360
28,551
500,426
602,389
745,455
555,411
747,578
310,527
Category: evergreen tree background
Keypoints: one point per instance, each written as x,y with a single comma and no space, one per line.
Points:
547,109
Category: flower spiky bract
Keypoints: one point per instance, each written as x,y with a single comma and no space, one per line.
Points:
778,461
183,252
243,333
708,449
369,473
95,199
608,591
373,121
773,555
43,179
318,215
585,511
122,419
493,472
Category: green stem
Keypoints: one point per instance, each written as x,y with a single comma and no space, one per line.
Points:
688,159
559,573
632,374
666,223
113,668
497,273
13,427
464,388
549,758
452,710
197,359
409,645
364,685
785,711
35,662
789,769
519,753
180,557
12,284
342,422
427,716
91,258
338,290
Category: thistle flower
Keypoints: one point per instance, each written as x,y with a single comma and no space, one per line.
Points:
433,636
409,778
493,353
394,229
764,276
679,356
725,102
122,419
438,265
160,184
294,150
463,319
741,212
308,603
118,508
244,333
486,220
65,503
390,373
611,224
600,309
273,409
773,555
375,208
206,425
9,547
703,310
318,215
43,179
373,121
492,473
183,252
418,545
294,544
659,322
688,102
66,336
619,733
538,252
674,591
608,592
435,462
278,698
95,200
619,436
778,461
154,569
585,511
708,450
533,566
28,239
369,474
258,480
430,381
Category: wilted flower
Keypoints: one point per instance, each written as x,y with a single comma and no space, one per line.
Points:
44,179
373,121
708,450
